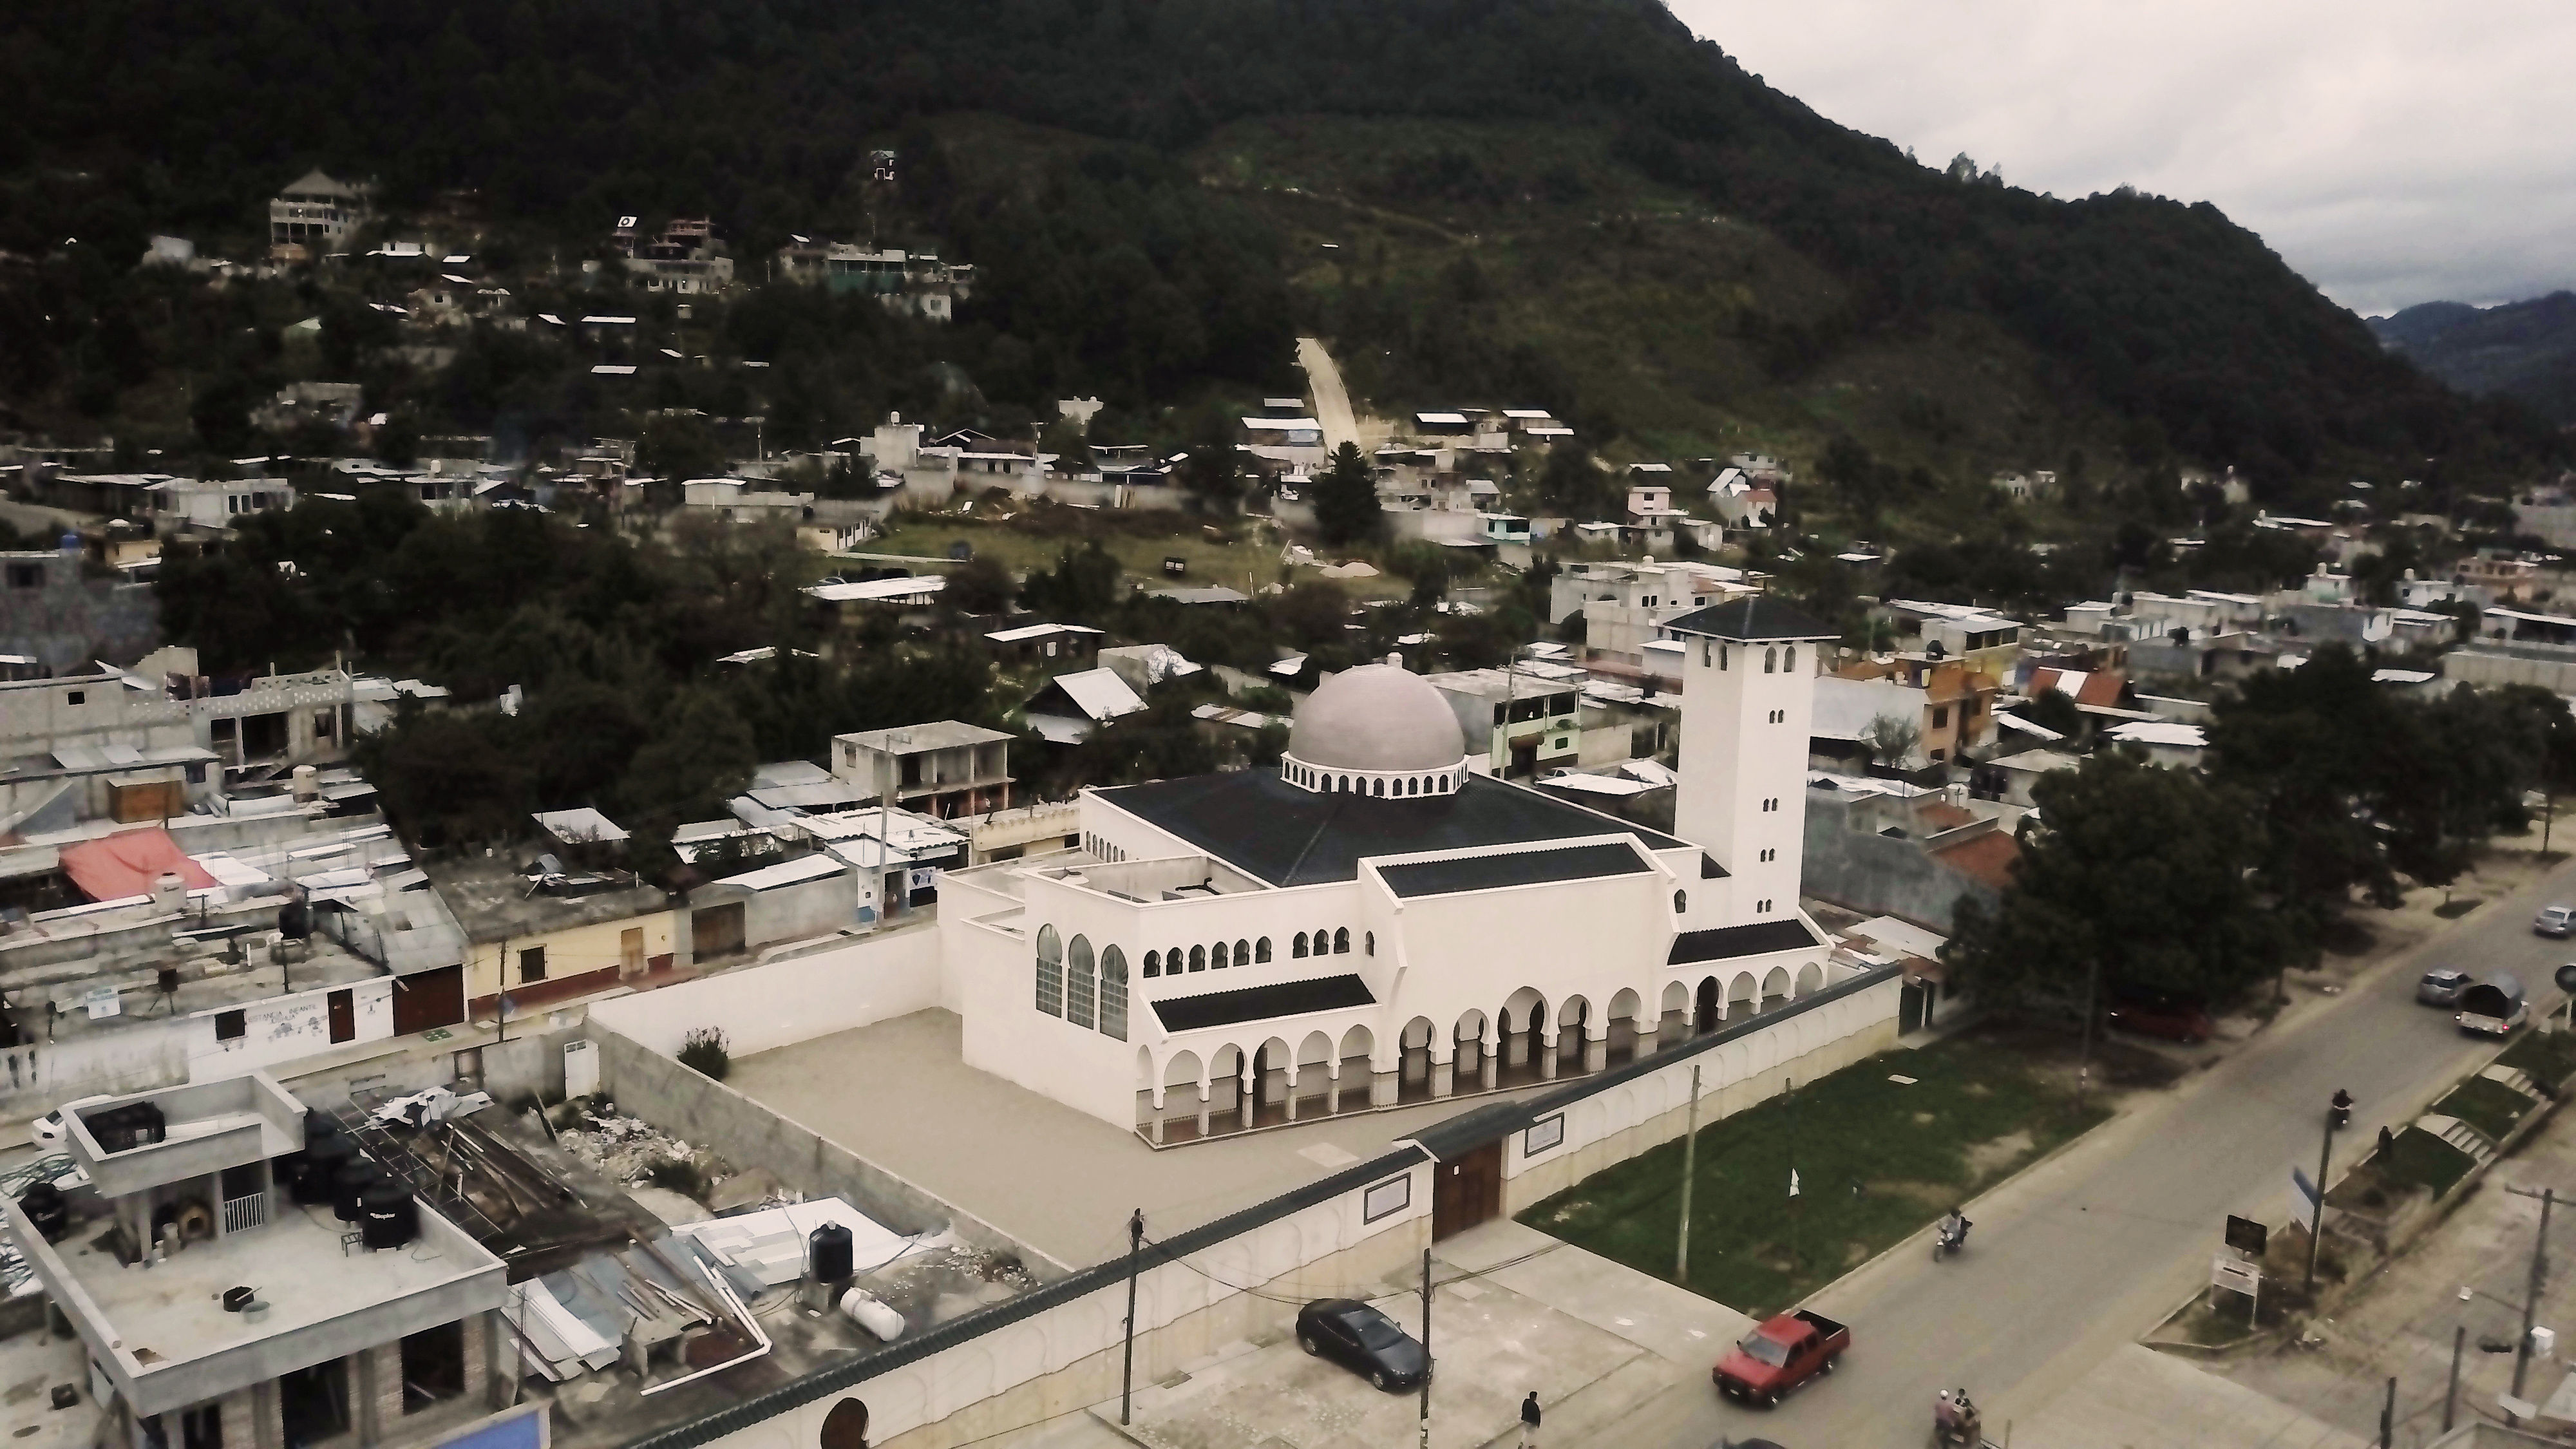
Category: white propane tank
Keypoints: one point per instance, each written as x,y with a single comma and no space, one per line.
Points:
862,1308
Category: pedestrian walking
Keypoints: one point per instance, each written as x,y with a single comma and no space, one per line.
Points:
1529,1421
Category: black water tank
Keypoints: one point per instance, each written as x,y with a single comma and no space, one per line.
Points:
830,1245
352,1179
386,1215
318,1125
322,1163
47,1210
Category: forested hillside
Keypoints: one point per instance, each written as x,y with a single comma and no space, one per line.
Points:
1134,242
2522,350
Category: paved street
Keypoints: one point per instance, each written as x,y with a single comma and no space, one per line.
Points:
2078,1257
1332,402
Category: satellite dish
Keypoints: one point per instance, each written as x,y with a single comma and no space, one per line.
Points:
2567,978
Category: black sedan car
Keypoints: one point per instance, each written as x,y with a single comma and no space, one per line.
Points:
1362,1340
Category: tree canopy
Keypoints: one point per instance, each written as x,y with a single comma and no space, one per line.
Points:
2145,873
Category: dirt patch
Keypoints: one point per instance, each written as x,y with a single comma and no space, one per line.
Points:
1924,1119
1998,1155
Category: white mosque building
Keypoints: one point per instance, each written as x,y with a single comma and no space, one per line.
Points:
1372,924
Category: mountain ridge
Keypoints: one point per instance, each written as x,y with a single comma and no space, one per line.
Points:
2524,350
2165,315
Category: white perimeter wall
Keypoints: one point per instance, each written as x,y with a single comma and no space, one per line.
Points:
784,1002
284,1028
1067,1355
1064,1356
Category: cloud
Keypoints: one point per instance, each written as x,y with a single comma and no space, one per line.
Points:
2393,151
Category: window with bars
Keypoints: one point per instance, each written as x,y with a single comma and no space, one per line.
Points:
1050,972
1113,994
1078,999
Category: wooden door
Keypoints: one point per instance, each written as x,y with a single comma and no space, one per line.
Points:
630,951
428,999
1466,1191
344,1016
716,931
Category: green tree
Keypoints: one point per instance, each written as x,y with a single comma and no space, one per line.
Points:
2141,873
1891,738
677,447
981,585
1346,506
701,753
1083,588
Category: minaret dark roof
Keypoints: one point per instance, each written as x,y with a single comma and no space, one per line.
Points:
1756,619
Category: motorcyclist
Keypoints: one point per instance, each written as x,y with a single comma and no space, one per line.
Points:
1954,1418
1954,1227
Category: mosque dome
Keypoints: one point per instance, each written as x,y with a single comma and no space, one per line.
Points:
1381,718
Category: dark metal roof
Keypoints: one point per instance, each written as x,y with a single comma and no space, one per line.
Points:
1727,942
1525,867
1289,836
1754,619
1260,1003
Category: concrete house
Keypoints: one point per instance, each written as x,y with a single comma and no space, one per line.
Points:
384,1342
313,217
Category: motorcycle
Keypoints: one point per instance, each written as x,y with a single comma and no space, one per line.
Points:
1951,1237
1956,1424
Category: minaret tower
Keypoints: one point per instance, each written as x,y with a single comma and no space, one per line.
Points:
1748,692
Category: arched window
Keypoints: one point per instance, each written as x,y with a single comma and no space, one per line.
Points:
1198,958
1707,654
1381,789
1346,782
1216,957
1342,941
1078,982
1172,962
1050,971
1770,661
1413,786
1681,903
1722,652
1297,946
1261,949
1789,659
1113,994
1153,963
1322,940
1372,943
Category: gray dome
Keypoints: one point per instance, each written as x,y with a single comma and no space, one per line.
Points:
1377,717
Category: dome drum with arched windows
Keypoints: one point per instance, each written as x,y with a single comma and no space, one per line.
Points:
1379,730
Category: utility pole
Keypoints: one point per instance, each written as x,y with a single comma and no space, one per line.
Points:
1690,1158
2317,1224
1426,1348
2451,1399
2084,1053
1791,1090
2531,1290
2388,1417
1127,1368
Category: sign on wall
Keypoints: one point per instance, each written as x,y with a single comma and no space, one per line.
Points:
1543,1135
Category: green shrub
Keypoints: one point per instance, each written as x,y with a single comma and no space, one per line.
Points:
704,1050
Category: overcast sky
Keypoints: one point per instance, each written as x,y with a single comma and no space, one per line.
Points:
2393,151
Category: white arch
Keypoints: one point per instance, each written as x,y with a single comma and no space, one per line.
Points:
1811,979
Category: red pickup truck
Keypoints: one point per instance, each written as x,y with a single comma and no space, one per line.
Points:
1780,1355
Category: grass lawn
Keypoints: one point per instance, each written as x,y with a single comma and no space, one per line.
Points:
1876,1161
2550,1057
1248,565
2490,1107
2417,1156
